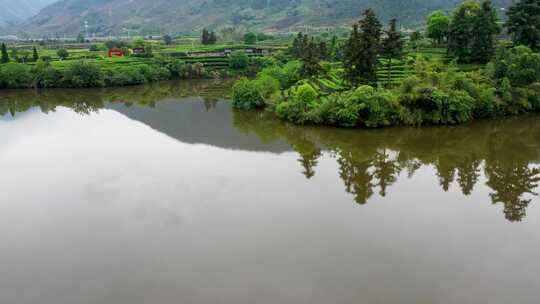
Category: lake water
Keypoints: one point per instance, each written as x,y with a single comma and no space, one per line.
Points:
163,194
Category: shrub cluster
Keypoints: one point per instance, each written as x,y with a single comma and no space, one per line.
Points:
433,95
81,74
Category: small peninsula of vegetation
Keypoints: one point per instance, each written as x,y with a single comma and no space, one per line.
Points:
377,78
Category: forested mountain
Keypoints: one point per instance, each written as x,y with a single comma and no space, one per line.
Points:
13,11
147,16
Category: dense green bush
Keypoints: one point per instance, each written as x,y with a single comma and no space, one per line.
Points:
297,107
364,106
253,94
46,76
82,74
124,77
519,65
246,95
432,105
287,75
238,60
15,75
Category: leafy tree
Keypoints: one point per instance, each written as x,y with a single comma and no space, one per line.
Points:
15,75
484,34
238,60
250,38
82,74
392,45
437,26
138,42
323,51
310,61
524,23
251,94
35,55
80,38
362,50
5,56
24,56
461,31
115,44
167,39
63,54
205,37
415,37
519,65
213,38
299,45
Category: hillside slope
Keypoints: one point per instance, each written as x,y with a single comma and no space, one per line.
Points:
13,11
151,16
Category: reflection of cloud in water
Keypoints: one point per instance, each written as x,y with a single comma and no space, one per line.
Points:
134,215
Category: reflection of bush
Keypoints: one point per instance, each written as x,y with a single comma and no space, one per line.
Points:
85,101
373,159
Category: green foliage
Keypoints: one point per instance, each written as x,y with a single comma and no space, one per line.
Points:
45,75
80,38
110,44
138,42
524,24
238,60
250,38
310,61
253,94
82,74
392,46
63,54
472,32
15,75
299,46
208,38
303,99
362,50
286,75
167,39
246,95
519,65
432,105
5,56
517,73
414,39
437,26
35,55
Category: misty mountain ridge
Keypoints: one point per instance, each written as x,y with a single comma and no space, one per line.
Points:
116,17
14,11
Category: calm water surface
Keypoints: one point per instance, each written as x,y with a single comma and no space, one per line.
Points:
162,194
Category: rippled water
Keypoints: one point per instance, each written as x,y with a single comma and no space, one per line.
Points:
162,194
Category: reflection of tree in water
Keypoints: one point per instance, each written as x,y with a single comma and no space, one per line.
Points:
506,151
86,101
468,173
459,156
355,174
385,171
510,182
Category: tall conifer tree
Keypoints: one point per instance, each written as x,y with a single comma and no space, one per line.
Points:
5,55
362,50
485,29
35,55
392,46
524,23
